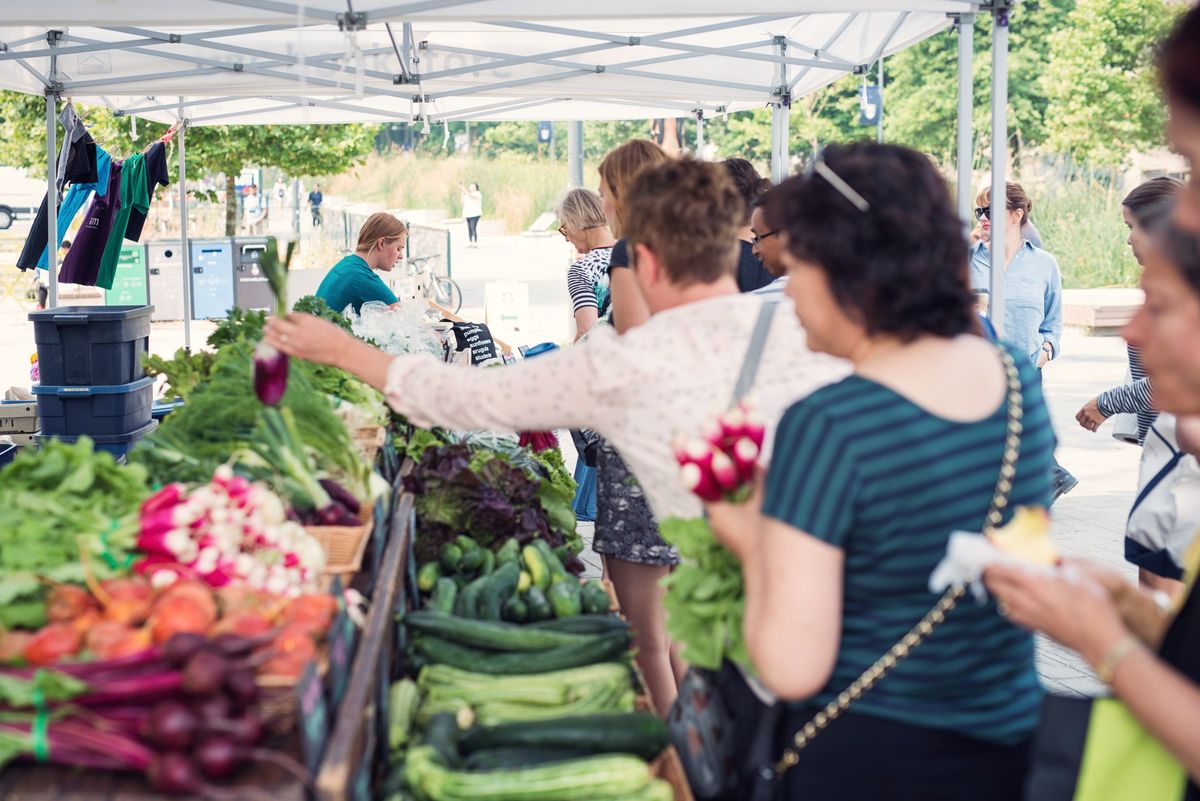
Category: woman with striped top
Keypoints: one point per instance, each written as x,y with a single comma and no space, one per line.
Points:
1143,209
870,477
582,223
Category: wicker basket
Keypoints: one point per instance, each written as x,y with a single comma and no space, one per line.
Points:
344,545
369,440
669,768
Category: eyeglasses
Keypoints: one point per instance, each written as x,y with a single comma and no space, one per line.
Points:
985,211
562,229
754,240
818,167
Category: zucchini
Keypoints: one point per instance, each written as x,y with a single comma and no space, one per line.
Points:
638,733
535,563
445,592
539,607
595,598
515,610
450,556
500,585
599,777
471,561
510,551
403,700
589,652
564,598
504,758
427,576
468,600
584,624
492,636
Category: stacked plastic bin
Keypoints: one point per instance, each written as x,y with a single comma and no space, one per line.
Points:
93,384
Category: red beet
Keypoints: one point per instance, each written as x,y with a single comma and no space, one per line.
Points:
217,757
173,773
182,647
171,725
204,673
242,686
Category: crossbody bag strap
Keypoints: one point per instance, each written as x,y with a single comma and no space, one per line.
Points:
936,616
758,341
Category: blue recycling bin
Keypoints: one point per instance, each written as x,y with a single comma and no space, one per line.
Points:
212,278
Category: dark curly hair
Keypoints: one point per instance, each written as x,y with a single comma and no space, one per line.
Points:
899,268
1179,62
750,185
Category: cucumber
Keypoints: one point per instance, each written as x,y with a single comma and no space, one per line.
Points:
471,561
500,585
492,636
637,733
510,551
592,651
583,624
445,592
427,576
538,567
450,555
505,758
557,571
524,582
595,598
441,734
467,604
515,610
466,544
489,563
564,598
539,607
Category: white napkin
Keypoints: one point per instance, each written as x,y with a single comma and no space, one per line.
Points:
967,556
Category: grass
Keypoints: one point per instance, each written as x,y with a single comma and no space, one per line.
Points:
516,188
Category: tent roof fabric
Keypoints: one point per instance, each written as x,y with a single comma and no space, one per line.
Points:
268,61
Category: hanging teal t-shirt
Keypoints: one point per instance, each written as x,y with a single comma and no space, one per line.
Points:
353,282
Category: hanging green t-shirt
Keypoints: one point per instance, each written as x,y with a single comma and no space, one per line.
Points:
353,282
134,195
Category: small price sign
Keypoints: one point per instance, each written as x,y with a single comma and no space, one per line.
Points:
314,718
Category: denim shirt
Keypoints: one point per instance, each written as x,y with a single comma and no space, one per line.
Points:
1032,296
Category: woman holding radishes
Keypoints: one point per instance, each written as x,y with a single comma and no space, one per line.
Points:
870,476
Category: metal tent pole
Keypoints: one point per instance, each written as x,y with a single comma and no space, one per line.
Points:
574,154
185,249
52,240
998,212
882,106
966,109
700,134
296,208
780,107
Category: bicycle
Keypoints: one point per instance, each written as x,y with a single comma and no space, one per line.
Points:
437,289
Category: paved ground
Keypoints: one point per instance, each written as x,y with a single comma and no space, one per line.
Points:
1089,521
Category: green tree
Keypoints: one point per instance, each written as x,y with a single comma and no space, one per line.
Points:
1100,80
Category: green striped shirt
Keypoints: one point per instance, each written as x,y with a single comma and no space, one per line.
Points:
862,468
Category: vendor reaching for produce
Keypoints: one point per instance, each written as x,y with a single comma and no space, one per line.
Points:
353,280
639,390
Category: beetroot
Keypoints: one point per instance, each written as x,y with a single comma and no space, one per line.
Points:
204,673
173,773
172,725
242,686
182,647
217,757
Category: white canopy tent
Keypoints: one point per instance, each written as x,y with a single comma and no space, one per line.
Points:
213,62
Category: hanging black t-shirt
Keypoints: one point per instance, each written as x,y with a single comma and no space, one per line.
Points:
80,169
751,274
156,175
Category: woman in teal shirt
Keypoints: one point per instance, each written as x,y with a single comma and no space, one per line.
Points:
353,280
870,476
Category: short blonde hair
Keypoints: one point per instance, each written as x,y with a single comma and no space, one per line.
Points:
380,225
581,209
621,166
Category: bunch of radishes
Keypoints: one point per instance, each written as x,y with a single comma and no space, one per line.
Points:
720,465
227,530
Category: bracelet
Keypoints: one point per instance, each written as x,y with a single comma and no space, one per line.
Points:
1108,664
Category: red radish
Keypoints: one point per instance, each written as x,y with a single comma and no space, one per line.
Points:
745,458
724,473
700,483
167,497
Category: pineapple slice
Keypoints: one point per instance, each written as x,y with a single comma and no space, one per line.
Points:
1027,536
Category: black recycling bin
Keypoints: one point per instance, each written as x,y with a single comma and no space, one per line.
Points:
251,290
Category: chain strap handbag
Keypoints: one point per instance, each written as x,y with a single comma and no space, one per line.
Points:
769,775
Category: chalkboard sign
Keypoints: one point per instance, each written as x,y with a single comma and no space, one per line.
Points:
477,338
314,717
342,635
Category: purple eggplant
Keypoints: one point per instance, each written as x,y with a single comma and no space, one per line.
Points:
270,374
